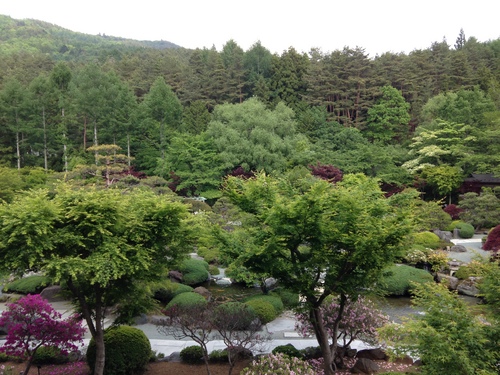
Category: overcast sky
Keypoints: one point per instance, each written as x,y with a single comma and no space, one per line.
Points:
377,25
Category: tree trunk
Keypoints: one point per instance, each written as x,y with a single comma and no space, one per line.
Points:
18,151
45,150
316,318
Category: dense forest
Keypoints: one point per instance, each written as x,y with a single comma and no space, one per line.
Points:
99,106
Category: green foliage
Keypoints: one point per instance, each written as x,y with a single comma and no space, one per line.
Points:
187,300
237,309
290,299
219,356
465,230
278,364
49,355
399,280
194,271
448,338
213,270
427,239
273,299
166,290
454,224
430,216
289,350
192,354
480,210
28,285
127,351
264,310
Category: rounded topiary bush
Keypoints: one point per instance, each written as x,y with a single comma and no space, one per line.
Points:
397,280
288,350
219,356
192,354
290,299
493,240
273,299
194,271
49,355
427,239
127,351
238,315
187,300
264,310
465,230
167,290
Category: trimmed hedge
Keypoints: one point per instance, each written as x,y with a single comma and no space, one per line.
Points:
273,299
246,314
465,230
397,280
427,239
49,355
264,310
194,271
127,351
167,290
187,300
28,285
288,350
290,299
192,354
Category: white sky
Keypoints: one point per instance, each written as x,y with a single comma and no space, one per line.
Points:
377,25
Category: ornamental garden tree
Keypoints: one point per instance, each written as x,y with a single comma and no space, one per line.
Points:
319,239
101,244
32,323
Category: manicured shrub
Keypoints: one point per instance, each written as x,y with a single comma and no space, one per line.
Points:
28,285
453,225
397,279
187,300
290,299
219,356
192,354
273,299
465,230
49,355
165,291
493,239
127,351
264,310
288,350
427,239
195,271
237,309
213,270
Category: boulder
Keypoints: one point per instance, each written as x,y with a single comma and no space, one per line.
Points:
443,235
406,360
175,276
270,283
223,281
458,249
174,357
468,287
375,354
450,281
365,366
204,292
52,293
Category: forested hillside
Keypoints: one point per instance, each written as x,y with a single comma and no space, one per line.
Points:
429,118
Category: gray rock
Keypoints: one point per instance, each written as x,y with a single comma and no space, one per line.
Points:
373,354
468,287
406,360
451,281
52,293
204,292
270,283
174,357
365,366
175,276
458,249
443,235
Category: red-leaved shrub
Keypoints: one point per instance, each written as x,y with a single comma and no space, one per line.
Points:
493,240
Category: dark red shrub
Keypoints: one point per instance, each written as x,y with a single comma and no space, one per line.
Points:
453,210
493,240
240,172
326,172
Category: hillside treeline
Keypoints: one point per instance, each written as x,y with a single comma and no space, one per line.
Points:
428,118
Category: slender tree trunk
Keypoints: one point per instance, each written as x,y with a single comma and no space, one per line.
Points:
18,151
45,151
85,133
316,319
65,148
96,143
128,150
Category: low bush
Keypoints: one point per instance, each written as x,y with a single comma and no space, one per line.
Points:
127,351
187,300
465,230
192,354
273,299
49,355
397,280
236,309
264,310
194,271
219,356
493,240
278,364
213,270
453,225
28,285
427,239
288,350
167,290
290,299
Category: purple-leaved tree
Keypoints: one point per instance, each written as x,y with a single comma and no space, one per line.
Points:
360,321
32,322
